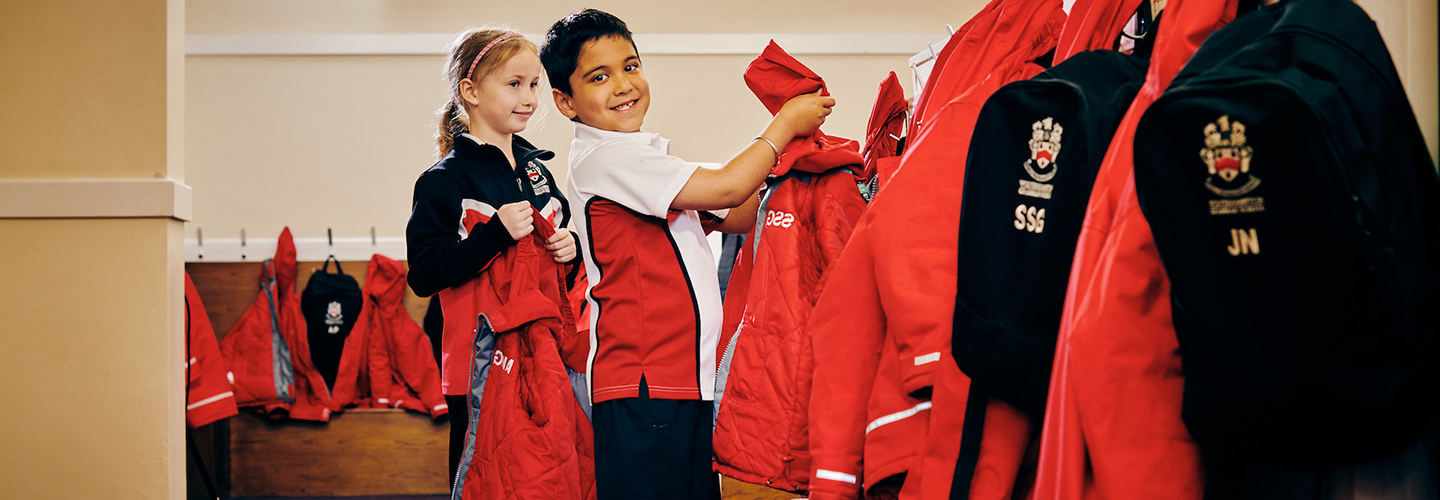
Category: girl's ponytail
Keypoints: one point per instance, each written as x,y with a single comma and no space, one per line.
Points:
452,123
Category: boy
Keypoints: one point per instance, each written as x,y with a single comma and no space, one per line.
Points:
654,291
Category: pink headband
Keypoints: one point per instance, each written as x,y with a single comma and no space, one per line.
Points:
487,48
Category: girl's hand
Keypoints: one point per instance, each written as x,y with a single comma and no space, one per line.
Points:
562,246
517,219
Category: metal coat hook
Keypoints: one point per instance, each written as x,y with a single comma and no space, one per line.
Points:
949,28
200,242
330,236
242,243
373,244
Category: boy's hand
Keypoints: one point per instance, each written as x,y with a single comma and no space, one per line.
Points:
517,219
804,114
562,246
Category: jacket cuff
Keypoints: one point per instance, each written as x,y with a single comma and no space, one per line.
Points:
496,233
918,374
834,485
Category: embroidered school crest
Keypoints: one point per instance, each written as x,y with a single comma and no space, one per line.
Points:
333,318
1044,150
1227,156
537,179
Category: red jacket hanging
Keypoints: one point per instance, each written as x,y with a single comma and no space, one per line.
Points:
528,436
1003,443
761,433
267,348
1112,422
388,361
208,395
895,281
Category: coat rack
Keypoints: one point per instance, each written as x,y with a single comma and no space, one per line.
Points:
307,249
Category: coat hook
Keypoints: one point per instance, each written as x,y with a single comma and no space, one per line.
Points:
242,243
949,28
330,236
200,242
373,244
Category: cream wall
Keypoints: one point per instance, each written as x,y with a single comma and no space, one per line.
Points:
91,206
318,142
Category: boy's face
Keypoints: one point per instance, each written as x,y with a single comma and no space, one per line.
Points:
608,88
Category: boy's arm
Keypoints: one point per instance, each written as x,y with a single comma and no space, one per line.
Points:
733,184
741,219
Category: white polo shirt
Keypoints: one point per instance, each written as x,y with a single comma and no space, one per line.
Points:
654,293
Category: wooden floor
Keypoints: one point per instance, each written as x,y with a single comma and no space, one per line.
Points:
731,489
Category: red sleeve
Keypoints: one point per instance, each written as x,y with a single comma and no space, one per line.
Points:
414,362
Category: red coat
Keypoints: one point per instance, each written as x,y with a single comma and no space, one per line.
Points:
388,361
886,124
895,282
528,436
208,395
1112,422
761,430
267,348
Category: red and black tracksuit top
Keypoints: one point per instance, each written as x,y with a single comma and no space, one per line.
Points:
453,234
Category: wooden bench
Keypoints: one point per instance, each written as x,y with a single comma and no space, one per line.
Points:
359,452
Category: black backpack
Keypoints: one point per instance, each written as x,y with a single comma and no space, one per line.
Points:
331,305
1036,149
1296,211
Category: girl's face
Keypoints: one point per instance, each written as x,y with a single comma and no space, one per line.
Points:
507,97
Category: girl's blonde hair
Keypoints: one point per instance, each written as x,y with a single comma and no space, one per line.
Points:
452,116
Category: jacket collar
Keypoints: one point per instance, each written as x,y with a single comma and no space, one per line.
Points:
471,146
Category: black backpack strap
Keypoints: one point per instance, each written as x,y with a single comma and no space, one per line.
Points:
326,267
971,433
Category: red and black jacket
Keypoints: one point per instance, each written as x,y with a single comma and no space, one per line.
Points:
452,234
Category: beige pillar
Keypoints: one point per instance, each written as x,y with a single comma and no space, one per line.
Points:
92,203
1409,29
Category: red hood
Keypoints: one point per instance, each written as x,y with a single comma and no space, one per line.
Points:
385,280
887,121
283,265
927,93
1093,25
776,77
1004,31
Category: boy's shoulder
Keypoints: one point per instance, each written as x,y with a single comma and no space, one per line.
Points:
593,145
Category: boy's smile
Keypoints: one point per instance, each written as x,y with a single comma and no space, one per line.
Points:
609,87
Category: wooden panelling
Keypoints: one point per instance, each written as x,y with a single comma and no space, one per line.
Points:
359,452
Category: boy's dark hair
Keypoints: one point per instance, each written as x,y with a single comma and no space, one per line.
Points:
567,36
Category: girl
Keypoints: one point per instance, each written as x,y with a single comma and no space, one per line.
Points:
476,202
